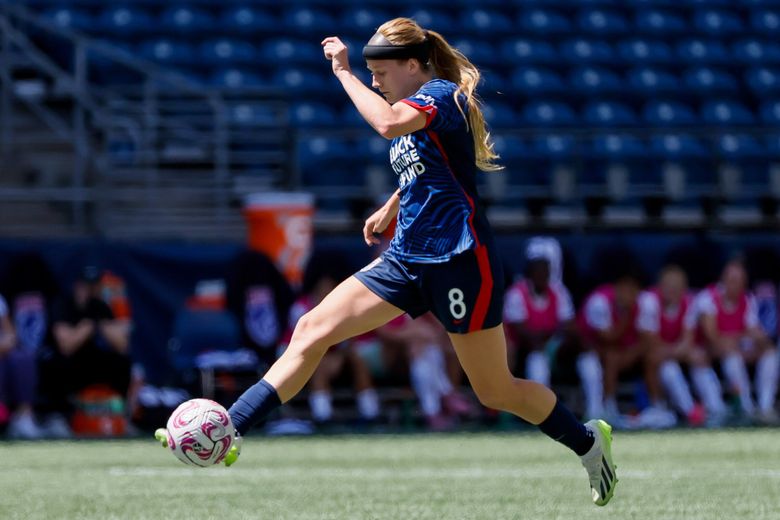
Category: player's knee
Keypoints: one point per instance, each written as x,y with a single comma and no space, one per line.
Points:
311,333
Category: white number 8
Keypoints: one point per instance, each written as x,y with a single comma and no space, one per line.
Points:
457,305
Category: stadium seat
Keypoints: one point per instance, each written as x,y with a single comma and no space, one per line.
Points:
773,147
542,22
70,18
492,83
485,22
659,22
236,78
438,20
677,146
312,114
227,51
595,81
641,51
696,51
653,81
668,113
608,114
548,113
717,23
499,114
249,20
117,21
362,21
478,51
304,21
602,22
707,80
618,146
765,22
168,51
763,81
248,114
587,51
534,81
186,19
289,51
524,51
298,80
726,113
757,52
555,146
322,161
770,112
738,146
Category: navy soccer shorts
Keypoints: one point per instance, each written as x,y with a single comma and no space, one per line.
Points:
466,293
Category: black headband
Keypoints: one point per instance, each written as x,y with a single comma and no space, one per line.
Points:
379,48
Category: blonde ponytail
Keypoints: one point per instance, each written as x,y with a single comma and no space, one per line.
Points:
450,64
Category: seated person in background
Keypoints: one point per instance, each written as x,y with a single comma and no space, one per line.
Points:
662,319
539,317
608,327
91,346
322,274
730,329
18,377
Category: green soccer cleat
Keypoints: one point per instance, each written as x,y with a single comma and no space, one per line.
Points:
161,434
234,451
598,463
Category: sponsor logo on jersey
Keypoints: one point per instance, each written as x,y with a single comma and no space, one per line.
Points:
262,323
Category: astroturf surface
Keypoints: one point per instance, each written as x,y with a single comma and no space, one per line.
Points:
679,474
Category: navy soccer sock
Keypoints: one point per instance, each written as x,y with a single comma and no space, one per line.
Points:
562,426
253,405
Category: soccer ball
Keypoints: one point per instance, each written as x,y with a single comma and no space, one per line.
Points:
200,432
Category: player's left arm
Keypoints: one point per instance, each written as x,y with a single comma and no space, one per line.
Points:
389,121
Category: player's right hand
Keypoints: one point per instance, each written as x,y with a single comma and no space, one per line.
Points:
337,53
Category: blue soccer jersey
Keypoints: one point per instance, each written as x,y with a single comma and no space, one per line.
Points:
440,215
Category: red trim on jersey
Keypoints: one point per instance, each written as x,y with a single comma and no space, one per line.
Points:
430,110
485,290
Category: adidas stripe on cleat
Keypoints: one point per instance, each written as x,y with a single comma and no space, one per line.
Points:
598,463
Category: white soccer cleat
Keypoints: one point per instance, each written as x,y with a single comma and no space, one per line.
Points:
598,463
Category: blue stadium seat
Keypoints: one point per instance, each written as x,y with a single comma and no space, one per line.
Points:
307,21
124,20
642,51
717,23
548,113
543,22
318,154
763,81
678,147
70,18
313,114
587,51
511,148
738,146
350,117
765,22
555,146
726,113
186,19
707,80
236,78
290,51
618,146
659,22
595,80
524,51
247,19
492,83
757,52
478,51
698,50
668,113
770,112
485,22
438,20
168,51
248,115
534,81
298,80
653,81
499,114
226,51
603,22
608,114
362,21
773,146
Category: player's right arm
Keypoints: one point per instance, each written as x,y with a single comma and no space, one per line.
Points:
381,218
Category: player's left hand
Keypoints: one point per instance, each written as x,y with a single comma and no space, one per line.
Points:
337,53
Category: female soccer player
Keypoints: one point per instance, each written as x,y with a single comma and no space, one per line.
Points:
442,257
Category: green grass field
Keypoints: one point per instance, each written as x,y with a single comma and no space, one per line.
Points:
684,474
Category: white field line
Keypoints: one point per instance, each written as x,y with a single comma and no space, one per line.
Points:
428,473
